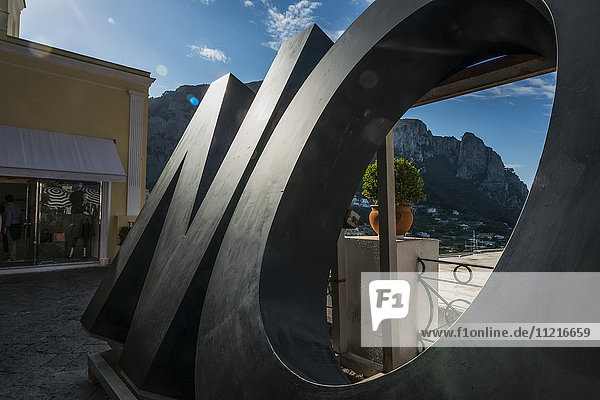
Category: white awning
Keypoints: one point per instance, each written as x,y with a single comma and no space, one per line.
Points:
42,154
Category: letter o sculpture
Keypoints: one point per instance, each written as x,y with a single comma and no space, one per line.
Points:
255,290
261,332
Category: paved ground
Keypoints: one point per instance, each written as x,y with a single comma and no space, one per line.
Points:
479,277
43,347
488,258
42,344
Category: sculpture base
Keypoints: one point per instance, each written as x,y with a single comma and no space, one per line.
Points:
104,368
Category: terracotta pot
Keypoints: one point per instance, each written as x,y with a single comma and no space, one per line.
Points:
404,219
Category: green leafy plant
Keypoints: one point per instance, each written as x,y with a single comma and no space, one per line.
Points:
123,232
409,184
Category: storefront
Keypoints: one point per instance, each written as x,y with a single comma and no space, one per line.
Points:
60,221
73,136
61,186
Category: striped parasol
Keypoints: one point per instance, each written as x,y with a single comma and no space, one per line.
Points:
57,198
93,195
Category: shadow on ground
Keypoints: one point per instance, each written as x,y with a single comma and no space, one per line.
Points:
43,346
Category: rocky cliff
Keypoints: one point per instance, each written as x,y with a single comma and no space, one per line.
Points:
461,174
469,159
168,116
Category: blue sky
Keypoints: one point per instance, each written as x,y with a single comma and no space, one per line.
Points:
197,41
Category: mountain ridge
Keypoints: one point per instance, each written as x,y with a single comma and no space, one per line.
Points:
471,159
466,182
168,116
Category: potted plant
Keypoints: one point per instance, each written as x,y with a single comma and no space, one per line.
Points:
123,232
409,190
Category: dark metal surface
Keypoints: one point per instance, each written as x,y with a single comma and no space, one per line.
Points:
253,267
160,288
499,71
158,355
272,269
165,216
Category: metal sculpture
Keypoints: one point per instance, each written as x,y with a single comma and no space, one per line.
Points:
160,336
202,147
158,355
256,285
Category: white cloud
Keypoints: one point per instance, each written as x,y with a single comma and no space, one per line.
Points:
513,166
548,108
206,53
111,20
206,2
283,25
335,35
538,88
363,2
248,3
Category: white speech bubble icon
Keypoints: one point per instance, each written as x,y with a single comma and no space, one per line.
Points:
389,300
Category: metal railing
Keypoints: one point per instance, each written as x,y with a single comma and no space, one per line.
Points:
450,310
450,314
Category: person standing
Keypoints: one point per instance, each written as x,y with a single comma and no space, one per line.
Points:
12,225
3,233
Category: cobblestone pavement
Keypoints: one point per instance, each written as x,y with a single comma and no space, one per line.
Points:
43,347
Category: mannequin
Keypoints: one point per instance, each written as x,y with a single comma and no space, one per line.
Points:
81,226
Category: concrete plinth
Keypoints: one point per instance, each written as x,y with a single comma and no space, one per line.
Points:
359,254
